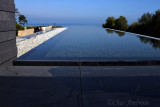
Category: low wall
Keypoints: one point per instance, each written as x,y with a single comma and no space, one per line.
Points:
30,31
25,32
48,28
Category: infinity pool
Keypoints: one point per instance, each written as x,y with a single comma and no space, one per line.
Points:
83,44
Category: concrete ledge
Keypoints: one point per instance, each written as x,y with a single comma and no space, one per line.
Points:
80,86
8,62
40,87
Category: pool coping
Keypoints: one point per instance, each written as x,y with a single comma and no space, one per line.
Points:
86,63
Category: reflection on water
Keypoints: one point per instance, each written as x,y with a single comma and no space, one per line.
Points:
110,31
120,34
154,43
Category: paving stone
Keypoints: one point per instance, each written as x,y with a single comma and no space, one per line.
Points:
40,87
131,86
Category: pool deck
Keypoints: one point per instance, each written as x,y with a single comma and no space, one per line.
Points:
104,86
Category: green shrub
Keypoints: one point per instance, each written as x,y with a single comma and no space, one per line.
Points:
30,27
57,26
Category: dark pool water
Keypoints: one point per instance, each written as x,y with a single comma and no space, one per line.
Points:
94,43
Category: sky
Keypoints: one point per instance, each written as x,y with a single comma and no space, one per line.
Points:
83,11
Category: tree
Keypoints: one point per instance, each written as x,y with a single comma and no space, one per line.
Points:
104,25
22,20
17,13
134,27
155,24
148,24
121,23
110,22
145,18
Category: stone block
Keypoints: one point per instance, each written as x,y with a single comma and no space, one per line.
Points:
8,62
7,16
7,55
7,5
5,36
7,26
7,45
10,26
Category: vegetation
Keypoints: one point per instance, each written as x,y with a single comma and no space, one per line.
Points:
133,27
30,27
148,24
120,23
110,22
21,19
18,27
17,13
57,27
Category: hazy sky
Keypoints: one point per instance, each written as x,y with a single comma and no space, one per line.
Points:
83,11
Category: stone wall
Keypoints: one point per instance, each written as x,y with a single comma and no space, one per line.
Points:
30,31
8,50
25,32
48,27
